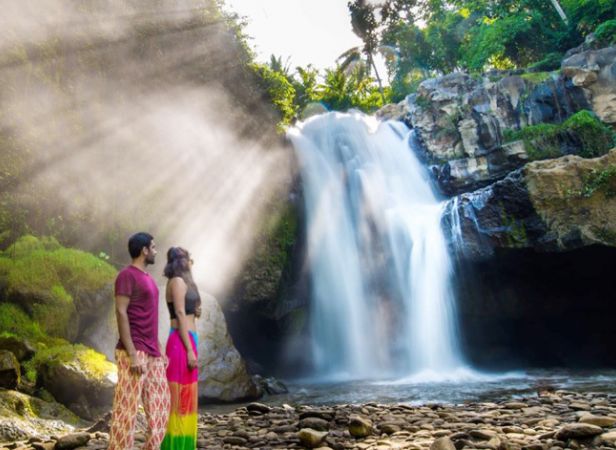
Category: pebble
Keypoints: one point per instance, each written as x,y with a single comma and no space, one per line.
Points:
600,421
554,421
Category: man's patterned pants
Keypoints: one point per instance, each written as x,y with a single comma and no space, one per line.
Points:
152,389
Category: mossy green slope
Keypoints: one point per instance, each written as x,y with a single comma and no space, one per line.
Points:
543,141
52,283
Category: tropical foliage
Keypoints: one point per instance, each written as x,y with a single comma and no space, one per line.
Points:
426,38
434,37
336,90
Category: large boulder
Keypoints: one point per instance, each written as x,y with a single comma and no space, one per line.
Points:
78,377
552,205
222,374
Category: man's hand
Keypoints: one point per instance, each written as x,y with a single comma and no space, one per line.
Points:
136,367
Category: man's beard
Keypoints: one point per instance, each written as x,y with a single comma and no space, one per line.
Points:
149,260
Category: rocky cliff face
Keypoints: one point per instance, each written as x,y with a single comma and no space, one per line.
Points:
463,122
553,205
479,136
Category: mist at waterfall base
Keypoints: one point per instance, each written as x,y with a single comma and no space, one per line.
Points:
120,117
382,303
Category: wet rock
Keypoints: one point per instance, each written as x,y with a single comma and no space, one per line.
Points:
325,414
389,427
235,440
71,441
533,447
609,437
43,445
359,426
311,438
20,347
483,434
314,423
524,427
577,430
258,407
9,370
600,421
579,406
270,385
443,443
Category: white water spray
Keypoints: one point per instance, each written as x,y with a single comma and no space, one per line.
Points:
382,303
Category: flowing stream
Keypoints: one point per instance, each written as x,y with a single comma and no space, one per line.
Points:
382,304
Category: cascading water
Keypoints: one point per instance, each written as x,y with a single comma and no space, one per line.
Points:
382,304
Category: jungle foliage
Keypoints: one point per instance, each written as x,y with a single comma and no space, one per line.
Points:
426,38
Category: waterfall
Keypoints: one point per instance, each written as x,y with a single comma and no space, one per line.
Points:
381,299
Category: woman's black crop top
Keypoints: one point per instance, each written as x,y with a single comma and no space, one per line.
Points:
191,301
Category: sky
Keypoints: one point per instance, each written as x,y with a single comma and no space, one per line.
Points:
308,31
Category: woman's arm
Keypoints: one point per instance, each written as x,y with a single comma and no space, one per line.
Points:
178,295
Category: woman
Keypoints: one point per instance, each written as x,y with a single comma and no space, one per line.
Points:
184,305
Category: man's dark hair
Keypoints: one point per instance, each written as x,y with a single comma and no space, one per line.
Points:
137,241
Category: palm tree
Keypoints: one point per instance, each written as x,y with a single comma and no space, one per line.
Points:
364,25
560,11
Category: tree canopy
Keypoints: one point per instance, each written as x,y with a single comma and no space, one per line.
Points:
427,38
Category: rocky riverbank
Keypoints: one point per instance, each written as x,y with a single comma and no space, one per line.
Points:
551,420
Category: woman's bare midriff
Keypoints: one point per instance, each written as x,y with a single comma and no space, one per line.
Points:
190,319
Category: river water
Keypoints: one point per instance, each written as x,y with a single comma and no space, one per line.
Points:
471,387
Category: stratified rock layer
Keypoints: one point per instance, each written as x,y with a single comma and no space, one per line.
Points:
461,121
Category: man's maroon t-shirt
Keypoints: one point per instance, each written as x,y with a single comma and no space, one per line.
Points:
142,311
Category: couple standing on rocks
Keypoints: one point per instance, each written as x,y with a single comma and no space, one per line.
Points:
165,382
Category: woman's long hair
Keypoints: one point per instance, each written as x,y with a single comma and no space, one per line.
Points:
178,265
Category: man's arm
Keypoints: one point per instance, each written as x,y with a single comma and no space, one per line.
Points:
121,309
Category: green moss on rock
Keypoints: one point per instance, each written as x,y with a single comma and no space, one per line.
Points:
15,322
596,137
606,32
540,141
34,413
271,255
51,283
28,244
77,376
93,364
603,180
538,77
543,141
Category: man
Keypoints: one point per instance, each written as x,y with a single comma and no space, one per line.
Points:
141,361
